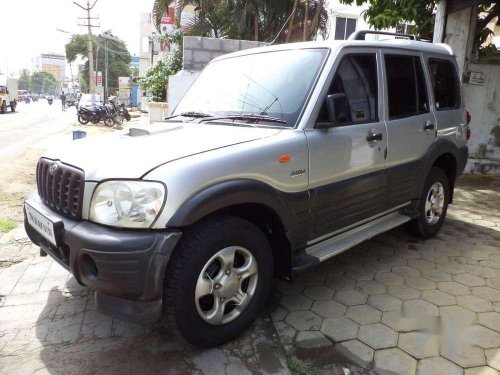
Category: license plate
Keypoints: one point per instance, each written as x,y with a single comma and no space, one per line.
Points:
42,224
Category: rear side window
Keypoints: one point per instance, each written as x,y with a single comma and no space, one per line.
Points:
445,84
406,88
356,77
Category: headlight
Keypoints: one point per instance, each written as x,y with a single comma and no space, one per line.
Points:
129,204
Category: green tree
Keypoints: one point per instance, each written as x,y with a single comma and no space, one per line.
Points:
156,78
118,57
383,14
24,82
258,20
44,83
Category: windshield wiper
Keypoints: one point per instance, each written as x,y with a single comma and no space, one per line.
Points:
250,117
190,114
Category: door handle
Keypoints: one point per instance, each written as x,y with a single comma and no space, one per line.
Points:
428,125
374,137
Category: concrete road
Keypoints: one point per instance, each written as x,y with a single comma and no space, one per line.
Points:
31,124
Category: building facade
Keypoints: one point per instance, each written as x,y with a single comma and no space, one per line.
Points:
52,63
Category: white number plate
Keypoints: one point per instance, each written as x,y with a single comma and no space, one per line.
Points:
41,224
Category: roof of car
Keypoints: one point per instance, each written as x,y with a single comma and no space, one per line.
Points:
413,45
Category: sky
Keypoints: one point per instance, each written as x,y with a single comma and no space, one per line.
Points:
29,27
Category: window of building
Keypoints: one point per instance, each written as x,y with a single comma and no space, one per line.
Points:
445,84
406,88
344,27
356,77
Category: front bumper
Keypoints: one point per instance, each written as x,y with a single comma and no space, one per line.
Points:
125,267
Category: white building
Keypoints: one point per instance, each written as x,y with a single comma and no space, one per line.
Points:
53,63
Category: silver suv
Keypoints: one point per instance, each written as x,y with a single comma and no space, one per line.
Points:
275,160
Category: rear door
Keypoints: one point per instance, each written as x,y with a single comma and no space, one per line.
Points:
449,111
346,171
411,125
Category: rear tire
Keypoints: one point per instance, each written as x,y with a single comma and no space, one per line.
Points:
187,300
13,106
433,205
3,109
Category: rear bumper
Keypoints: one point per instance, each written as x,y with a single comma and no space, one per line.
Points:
126,268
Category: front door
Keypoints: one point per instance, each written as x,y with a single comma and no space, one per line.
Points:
411,124
346,171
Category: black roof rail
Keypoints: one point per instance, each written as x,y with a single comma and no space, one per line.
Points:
361,34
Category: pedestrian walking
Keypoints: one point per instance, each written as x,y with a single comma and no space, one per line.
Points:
63,100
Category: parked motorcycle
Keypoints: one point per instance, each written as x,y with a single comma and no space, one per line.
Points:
111,114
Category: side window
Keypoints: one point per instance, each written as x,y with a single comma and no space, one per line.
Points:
406,88
445,84
356,77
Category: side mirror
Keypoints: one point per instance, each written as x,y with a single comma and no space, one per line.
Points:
336,107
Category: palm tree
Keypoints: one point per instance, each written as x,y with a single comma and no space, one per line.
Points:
259,20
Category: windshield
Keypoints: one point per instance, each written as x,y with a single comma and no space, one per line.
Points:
90,98
274,84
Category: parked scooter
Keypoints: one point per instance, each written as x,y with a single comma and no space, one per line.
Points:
50,100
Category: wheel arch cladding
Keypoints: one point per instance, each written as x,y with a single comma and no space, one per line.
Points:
276,213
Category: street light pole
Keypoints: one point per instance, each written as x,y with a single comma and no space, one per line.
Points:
89,44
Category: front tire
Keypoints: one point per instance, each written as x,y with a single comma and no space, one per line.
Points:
433,205
13,106
108,121
83,120
217,280
3,108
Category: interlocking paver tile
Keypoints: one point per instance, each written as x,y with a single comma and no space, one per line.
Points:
421,264
370,287
311,340
285,332
376,267
405,271
408,254
385,302
393,260
490,294
490,320
493,282
463,354
469,280
483,370
481,271
438,298
419,344
378,336
436,275
363,314
339,282
318,292
303,320
452,268
388,278
278,313
296,302
493,358
350,297
357,352
328,309
454,288
360,274
457,316
394,361
403,292
420,308
420,283
339,329
481,336
310,278
474,303
438,366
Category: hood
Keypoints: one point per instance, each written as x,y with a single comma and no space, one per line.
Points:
122,155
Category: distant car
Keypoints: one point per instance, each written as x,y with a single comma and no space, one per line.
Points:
89,100
21,95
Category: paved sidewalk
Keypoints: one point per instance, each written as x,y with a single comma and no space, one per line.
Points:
395,304
49,325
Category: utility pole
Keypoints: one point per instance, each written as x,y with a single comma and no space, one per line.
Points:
90,47
106,66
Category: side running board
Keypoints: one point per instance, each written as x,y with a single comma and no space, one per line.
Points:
344,241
